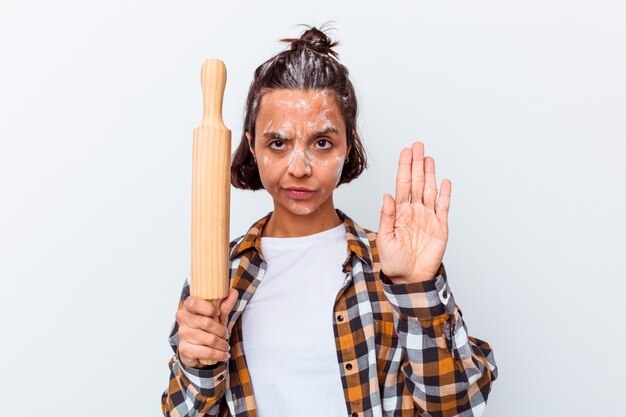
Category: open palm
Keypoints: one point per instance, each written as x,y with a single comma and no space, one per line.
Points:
413,230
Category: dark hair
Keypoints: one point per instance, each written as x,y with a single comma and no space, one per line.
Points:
310,64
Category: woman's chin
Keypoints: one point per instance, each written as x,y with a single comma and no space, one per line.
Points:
302,210
300,207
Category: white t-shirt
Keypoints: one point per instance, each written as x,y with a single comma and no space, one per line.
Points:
287,327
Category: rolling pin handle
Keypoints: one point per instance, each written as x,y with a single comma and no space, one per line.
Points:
213,78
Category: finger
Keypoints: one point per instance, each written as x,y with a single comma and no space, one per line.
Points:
201,352
227,304
443,203
417,172
403,177
200,306
202,338
387,216
196,321
430,184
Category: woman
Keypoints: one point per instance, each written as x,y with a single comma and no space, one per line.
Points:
344,321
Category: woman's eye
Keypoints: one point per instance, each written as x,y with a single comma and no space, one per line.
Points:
280,142
326,144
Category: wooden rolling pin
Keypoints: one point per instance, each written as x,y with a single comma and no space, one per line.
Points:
210,193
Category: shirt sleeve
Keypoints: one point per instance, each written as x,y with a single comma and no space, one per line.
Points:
191,391
447,372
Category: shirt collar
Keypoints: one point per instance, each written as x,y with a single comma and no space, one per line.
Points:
357,237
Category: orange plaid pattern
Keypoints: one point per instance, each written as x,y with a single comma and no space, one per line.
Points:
403,349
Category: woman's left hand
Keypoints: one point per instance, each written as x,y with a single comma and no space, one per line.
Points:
413,230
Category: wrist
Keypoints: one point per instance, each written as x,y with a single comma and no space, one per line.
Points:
413,278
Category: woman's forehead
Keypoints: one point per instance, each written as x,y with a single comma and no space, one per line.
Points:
298,100
297,106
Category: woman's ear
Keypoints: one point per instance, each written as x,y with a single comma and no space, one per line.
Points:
249,138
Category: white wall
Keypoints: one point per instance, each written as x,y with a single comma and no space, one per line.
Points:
521,104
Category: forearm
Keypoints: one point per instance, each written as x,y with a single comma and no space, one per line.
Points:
447,372
191,391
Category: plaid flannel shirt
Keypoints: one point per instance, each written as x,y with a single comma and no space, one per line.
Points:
402,349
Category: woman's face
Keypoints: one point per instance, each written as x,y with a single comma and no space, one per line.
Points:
300,144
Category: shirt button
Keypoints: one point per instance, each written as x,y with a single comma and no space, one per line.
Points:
234,397
445,294
355,415
219,378
340,317
349,366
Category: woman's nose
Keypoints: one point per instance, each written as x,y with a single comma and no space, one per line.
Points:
299,163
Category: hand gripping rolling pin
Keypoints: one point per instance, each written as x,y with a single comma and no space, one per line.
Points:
210,193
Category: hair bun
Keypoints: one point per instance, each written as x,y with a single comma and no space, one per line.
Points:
314,39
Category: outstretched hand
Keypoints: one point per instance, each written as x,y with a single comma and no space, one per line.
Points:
413,230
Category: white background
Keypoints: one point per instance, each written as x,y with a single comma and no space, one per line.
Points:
522,105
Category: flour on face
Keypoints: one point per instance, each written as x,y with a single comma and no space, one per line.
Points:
298,154
339,167
292,153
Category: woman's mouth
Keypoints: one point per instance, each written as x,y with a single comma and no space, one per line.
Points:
299,193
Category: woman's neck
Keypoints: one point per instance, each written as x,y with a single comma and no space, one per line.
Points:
283,223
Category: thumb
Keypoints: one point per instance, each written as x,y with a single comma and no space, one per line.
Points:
227,305
387,217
